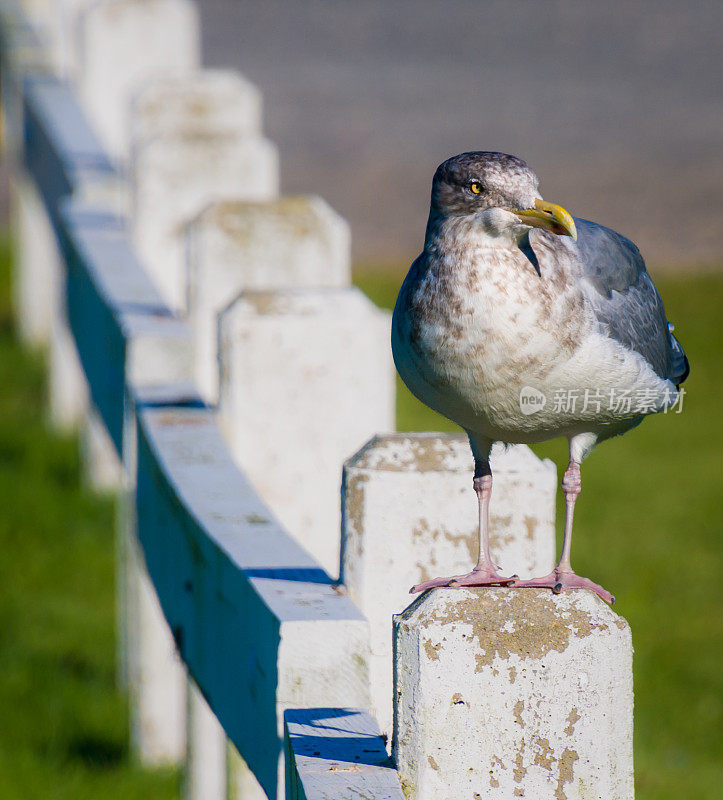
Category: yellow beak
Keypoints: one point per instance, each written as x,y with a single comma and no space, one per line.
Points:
549,216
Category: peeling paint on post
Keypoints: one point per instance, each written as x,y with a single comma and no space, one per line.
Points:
506,693
409,513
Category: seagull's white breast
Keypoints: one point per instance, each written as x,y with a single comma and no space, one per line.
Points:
476,325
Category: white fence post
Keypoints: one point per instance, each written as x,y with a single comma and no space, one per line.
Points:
39,11
157,675
67,386
122,44
221,101
504,693
102,470
61,25
409,514
174,177
205,750
306,377
236,245
36,273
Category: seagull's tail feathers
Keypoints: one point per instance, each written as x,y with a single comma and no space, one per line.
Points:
679,365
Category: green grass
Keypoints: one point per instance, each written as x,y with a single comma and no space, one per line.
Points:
648,528
63,726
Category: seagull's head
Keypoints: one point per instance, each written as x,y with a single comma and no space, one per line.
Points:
496,192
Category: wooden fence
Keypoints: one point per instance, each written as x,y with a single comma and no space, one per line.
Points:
227,380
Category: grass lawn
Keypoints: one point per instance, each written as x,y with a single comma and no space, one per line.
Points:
646,528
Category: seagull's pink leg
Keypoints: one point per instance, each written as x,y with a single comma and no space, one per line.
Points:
563,577
485,572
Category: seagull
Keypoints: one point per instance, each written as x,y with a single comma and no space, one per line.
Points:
521,324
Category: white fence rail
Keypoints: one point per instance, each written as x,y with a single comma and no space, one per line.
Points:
203,334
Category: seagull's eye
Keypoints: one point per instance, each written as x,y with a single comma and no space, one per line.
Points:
475,187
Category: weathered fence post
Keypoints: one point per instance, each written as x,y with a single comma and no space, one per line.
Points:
67,386
157,674
505,693
36,273
102,469
409,513
60,23
174,177
306,377
205,751
235,245
198,102
123,44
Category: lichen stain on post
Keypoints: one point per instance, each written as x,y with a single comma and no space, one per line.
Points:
264,302
179,418
354,502
520,769
239,220
422,531
432,650
572,718
565,772
530,524
469,540
538,629
403,453
527,702
544,755
424,573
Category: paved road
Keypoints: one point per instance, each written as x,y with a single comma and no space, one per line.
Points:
617,106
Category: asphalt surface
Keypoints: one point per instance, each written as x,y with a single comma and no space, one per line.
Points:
616,106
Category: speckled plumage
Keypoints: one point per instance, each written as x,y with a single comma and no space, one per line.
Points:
485,312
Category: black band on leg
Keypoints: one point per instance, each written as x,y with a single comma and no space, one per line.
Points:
481,468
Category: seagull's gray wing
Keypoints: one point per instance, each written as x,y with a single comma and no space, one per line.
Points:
625,300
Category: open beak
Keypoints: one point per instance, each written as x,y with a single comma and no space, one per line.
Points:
549,216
